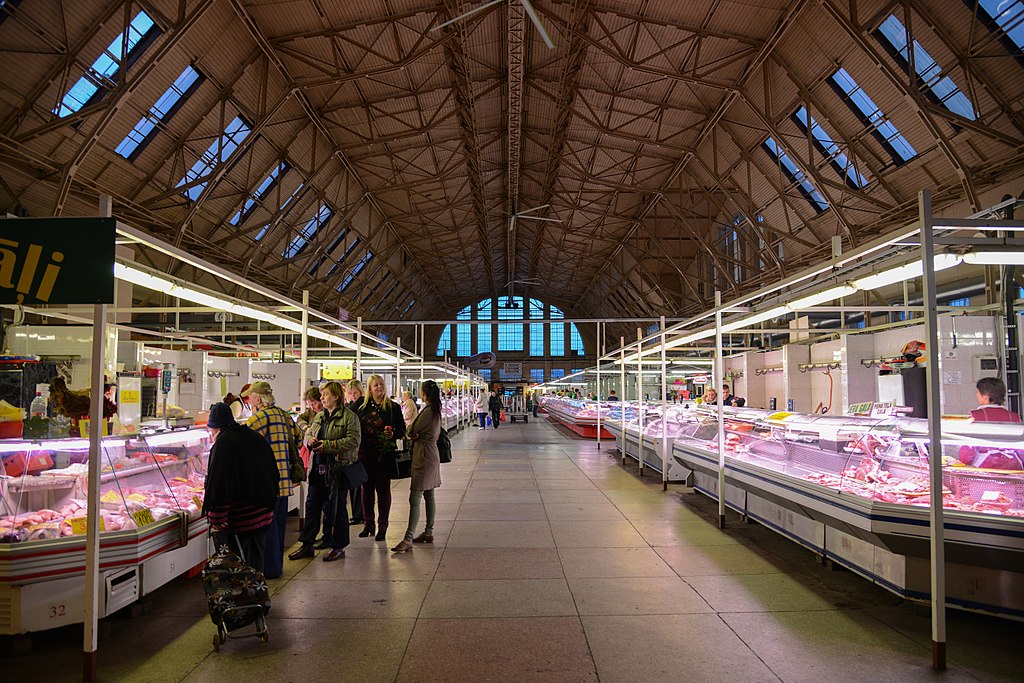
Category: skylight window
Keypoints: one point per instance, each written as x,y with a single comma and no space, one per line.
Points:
344,257
7,8
218,152
168,104
330,250
350,278
938,87
829,149
105,70
260,193
300,241
408,307
870,115
384,298
1003,16
795,175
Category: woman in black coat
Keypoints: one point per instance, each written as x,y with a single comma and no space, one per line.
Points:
382,424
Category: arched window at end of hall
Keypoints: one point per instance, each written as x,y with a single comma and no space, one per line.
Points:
515,332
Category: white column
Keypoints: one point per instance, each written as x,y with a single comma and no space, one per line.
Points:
92,529
303,382
640,399
358,374
716,382
664,410
622,393
937,536
597,347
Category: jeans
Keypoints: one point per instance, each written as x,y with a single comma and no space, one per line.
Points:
414,512
273,560
495,417
249,544
320,497
535,409
483,420
378,486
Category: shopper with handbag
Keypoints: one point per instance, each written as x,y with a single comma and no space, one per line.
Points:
381,421
333,437
426,467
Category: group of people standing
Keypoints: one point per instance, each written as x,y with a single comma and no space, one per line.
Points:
348,440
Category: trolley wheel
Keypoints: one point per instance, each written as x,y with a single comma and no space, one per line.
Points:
265,637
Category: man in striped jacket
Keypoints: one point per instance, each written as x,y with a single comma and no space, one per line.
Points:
241,486
283,434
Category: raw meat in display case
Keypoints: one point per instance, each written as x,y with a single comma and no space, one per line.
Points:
151,490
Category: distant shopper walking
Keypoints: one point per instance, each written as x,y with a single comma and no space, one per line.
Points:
494,403
409,409
481,407
426,467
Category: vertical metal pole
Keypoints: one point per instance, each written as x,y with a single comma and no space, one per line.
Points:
91,611
664,410
622,394
639,399
398,371
937,537
423,352
597,347
716,383
303,382
358,374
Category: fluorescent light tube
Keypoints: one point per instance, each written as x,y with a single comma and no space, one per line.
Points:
907,271
755,319
141,278
821,297
995,258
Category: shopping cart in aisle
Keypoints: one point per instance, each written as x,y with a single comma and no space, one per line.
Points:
517,409
237,596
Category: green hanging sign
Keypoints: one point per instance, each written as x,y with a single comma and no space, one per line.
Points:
57,260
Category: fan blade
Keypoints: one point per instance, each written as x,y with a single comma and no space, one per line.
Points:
470,13
536,22
536,208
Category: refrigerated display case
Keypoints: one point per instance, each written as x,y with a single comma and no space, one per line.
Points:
578,415
151,490
652,445
856,491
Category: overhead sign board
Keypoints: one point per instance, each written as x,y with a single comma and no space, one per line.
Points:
336,370
57,260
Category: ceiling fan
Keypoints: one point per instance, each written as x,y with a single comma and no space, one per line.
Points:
527,7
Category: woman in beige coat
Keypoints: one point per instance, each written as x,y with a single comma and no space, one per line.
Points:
426,466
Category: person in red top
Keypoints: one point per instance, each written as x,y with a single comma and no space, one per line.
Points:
991,394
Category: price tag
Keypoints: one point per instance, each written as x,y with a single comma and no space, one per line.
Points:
79,524
989,496
143,517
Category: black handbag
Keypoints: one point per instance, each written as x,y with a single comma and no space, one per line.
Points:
400,465
354,474
444,447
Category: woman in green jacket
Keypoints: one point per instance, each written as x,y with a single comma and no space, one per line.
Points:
333,438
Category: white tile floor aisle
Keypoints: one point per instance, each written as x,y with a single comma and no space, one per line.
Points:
551,562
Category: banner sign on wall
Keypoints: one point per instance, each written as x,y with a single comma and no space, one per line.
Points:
336,370
57,260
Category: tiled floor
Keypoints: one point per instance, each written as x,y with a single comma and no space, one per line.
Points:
551,562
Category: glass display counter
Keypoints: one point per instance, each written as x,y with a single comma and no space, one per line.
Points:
151,490
856,491
580,416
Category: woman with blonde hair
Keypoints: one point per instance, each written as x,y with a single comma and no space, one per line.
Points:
353,393
353,397
381,421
